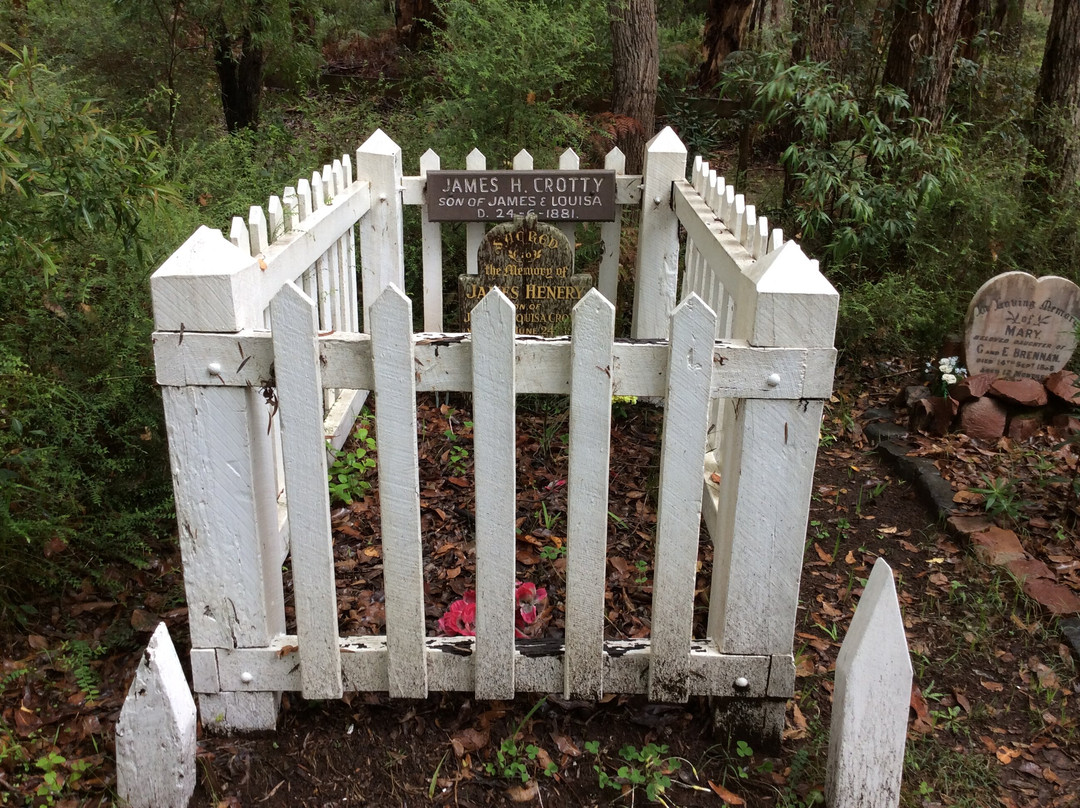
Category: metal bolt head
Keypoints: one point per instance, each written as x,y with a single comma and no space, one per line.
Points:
214,369
657,200
773,380
246,678
742,683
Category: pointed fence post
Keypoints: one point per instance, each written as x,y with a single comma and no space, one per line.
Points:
657,272
382,253
474,231
431,235
155,736
494,441
611,234
870,702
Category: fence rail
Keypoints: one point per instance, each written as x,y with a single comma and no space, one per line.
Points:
743,362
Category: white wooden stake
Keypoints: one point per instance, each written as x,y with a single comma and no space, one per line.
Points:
587,493
569,161
657,270
611,235
494,439
155,736
870,702
299,392
393,359
678,519
474,231
382,252
431,234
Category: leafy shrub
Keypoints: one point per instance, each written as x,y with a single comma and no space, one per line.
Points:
510,72
82,460
859,175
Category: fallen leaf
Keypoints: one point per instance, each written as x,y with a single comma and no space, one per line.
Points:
144,621
37,642
468,740
922,723
565,745
1047,678
1006,756
524,793
993,687
962,700
828,559
727,796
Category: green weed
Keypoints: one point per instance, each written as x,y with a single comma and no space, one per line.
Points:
349,473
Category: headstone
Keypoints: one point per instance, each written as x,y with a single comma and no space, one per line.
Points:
532,263
1019,326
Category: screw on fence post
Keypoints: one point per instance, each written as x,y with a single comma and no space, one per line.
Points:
246,677
773,380
742,683
214,369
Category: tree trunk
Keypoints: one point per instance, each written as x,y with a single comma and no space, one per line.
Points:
921,54
240,71
415,20
974,18
726,22
1007,20
635,71
815,25
1056,123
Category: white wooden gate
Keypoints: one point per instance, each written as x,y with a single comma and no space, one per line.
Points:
743,392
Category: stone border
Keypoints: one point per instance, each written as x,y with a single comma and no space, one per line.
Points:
937,493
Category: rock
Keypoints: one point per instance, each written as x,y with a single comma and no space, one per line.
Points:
968,526
933,415
1025,425
1064,385
1025,392
1065,423
1055,597
973,387
906,398
997,546
1027,568
983,419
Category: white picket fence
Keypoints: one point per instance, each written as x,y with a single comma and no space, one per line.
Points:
155,737
249,492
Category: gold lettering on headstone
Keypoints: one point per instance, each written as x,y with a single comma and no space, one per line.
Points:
531,262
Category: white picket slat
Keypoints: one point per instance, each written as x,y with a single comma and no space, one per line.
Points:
238,234
474,231
593,323
299,393
657,270
870,702
257,230
399,492
678,515
523,161
569,161
431,235
494,444
611,235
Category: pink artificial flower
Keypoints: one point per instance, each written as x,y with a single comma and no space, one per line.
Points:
460,617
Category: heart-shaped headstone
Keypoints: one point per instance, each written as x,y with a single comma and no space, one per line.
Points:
1019,326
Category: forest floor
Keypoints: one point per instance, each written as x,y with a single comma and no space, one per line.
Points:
994,717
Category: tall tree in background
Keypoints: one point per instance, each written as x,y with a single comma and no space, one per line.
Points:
920,57
415,20
635,72
814,25
240,58
1056,123
726,22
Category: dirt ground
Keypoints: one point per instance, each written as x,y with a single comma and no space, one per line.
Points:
994,715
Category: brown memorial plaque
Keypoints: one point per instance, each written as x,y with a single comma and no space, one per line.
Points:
1019,326
501,196
532,263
